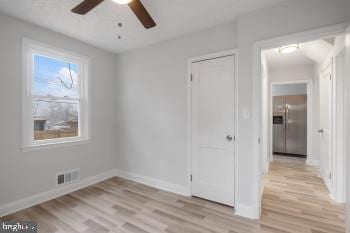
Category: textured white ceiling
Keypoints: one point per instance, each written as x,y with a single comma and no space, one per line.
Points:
99,27
309,53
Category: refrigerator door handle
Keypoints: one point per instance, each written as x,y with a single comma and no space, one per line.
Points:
287,116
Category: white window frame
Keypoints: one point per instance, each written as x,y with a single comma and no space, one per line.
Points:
30,48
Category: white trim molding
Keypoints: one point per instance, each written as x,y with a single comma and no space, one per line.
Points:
347,127
31,48
54,193
152,182
246,211
314,163
339,116
69,188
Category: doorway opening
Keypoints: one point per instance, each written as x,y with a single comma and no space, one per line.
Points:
302,102
289,120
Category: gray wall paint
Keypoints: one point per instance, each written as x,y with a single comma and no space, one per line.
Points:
152,103
26,174
152,89
149,95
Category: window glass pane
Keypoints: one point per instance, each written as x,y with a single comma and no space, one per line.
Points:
55,119
55,77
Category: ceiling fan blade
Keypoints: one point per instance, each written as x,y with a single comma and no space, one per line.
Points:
142,14
86,6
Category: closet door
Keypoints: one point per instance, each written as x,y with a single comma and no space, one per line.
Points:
326,87
213,129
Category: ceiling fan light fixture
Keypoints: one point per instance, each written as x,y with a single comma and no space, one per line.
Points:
289,49
122,1
136,7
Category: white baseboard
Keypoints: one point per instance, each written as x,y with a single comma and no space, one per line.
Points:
60,191
262,188
156,183
314,163
240,210
246,211
57,192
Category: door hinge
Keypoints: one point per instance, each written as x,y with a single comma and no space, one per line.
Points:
191,77
259,140
330,175
191,177
234,138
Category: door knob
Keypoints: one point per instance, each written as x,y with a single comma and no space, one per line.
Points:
229,138
320,131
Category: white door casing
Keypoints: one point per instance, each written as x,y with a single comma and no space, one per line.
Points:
326,90
213,129
338,126
347,127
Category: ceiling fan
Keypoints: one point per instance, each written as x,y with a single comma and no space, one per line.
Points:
135,5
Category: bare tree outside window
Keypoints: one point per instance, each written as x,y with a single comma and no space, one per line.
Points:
55,102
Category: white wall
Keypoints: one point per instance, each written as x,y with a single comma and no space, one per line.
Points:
26,174
291,73
152,91
152,103
266,114
289,89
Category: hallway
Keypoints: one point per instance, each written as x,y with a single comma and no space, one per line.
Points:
295,199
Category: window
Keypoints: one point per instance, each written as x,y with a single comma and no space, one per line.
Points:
55,99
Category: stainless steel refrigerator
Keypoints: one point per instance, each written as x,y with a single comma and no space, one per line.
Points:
290,125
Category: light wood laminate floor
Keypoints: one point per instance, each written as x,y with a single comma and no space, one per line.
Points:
295,200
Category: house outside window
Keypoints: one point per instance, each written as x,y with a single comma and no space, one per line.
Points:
55,98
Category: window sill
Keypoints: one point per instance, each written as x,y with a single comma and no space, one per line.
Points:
52,145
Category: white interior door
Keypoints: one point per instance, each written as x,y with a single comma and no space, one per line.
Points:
213,130
325,131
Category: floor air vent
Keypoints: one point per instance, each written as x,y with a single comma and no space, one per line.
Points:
67,177
60,179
